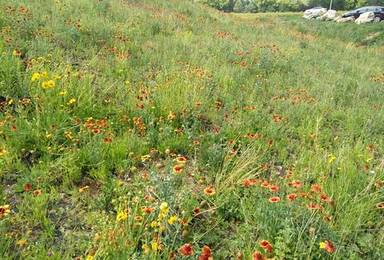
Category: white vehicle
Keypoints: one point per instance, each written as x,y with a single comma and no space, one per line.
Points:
314,12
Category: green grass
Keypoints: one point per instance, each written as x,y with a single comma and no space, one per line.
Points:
121,89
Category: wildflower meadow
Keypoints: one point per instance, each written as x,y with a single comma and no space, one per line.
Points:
165,129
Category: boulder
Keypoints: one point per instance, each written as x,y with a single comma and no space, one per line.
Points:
365,18
345,20
330,15
314,13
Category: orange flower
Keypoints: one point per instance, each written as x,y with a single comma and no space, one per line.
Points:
249,182
186,250
304,195
274,188
209,191
37,192
107,140
27,187
265,184
253,136
96,131
178,169
274,199
314,206
257,256
380,205
292,196
277,118
327,218
147,210
316,188
196,211
206,253
181,159
324,197
295,184
328,246
379,184
266,245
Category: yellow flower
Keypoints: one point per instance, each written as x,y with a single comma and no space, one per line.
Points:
121,216
4,210
154,224
2,151
154,246
172,220
146,248
16,53
331,158
21,242
89,257
62,93
322,245
82,189
71,101
44,74
164,208
48,84
35,76
145,158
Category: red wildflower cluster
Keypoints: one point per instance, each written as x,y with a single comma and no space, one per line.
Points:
96,126
139,125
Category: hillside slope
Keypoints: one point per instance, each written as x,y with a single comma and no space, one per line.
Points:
131,128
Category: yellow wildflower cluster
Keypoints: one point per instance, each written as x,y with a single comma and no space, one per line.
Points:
46,82
159,225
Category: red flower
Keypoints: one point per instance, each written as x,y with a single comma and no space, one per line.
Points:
328,246
206,253
274,188
178,169
292,196
266,246
186,250
257,256
274,199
